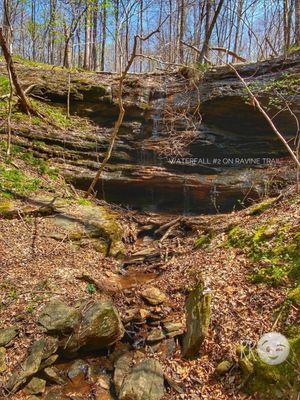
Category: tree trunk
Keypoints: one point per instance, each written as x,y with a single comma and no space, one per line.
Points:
208,31
94,44
67,53
10,66
7,30
103,44
87,37
181,31
297,22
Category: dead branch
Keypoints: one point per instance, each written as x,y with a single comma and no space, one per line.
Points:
266,116
119,121
230,52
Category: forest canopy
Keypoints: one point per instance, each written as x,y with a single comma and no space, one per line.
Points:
99,34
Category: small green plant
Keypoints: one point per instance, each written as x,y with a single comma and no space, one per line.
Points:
4,85
90,288
275,252
12,180
84,202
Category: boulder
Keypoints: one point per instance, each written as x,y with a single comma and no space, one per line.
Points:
7,334
35,386
101,326
3,365
145,382
28,368
197,320
58,317
153,295
87,222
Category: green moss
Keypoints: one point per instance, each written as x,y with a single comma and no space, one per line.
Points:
239,237
294,295
275,381
5,206
4,85
12,180
203,240
259,208
275,251
84,202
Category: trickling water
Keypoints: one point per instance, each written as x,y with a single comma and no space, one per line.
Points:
157,117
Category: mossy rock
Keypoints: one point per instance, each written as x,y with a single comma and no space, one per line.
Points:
85,221
58,317
270,382
259,208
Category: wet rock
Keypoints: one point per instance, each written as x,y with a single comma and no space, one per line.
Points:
52,375
79,367
223,367
155,335
145,382
3,365
28,368
101,326
197,320
154,296
58,317
35,386
7,334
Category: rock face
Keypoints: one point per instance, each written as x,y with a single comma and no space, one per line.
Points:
145,382
197,320
100,327
57,317
137,175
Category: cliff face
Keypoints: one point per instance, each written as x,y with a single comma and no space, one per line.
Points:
150,168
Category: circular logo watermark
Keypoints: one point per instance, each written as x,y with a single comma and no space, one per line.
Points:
273,348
